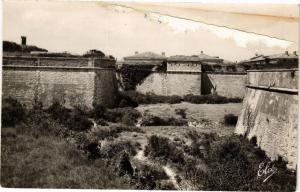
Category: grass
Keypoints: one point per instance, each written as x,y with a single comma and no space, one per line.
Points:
50,162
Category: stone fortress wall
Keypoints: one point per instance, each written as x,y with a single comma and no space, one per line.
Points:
71,81
270,112
168,83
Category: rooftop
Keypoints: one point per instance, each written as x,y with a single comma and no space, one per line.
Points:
146,56
200,57
285,55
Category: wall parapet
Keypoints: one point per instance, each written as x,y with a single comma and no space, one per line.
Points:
59,61
54,67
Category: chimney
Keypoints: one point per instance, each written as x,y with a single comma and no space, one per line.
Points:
295,53
286,52
163,53
136,52
201,52
23,40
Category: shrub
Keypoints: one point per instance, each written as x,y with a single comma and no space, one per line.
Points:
12,112
59,112
113,131
234,161
130,117
151,120
78,122
124,166
230,119
149,176
164,149
76,119
113,149
210,99
126,100
151,98
99,111
181,112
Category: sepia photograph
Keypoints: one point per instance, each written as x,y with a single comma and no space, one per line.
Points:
147,95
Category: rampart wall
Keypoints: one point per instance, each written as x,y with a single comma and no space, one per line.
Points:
71,81
171,83
270,112
195,83
225,84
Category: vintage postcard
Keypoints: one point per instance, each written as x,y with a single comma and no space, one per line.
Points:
149,95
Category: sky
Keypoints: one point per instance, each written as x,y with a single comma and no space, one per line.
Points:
231,31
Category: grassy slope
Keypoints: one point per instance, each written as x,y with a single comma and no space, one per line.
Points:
50,162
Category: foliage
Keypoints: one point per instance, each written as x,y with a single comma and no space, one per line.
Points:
230,119
49,161
210,99
76,119
149,176
133,98
12,113
151,120
115,148
164,149
181,112
127,115
114,131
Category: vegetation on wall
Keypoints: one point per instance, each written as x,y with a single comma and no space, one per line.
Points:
9,46
132,75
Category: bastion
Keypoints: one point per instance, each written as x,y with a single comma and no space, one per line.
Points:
269,117
71,81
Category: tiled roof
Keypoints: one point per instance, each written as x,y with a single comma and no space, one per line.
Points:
146,55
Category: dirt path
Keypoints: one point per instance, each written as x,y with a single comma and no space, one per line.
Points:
168,170
171,174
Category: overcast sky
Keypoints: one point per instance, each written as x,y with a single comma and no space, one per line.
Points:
171,28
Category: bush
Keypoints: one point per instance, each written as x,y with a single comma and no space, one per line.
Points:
181,112
149,176
76,119
127,115
12,112
125,167
150,120
114,149
59,112
210,99
164,149
113,131
130,118
234,161
99,111
230,119
151,98
133,98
